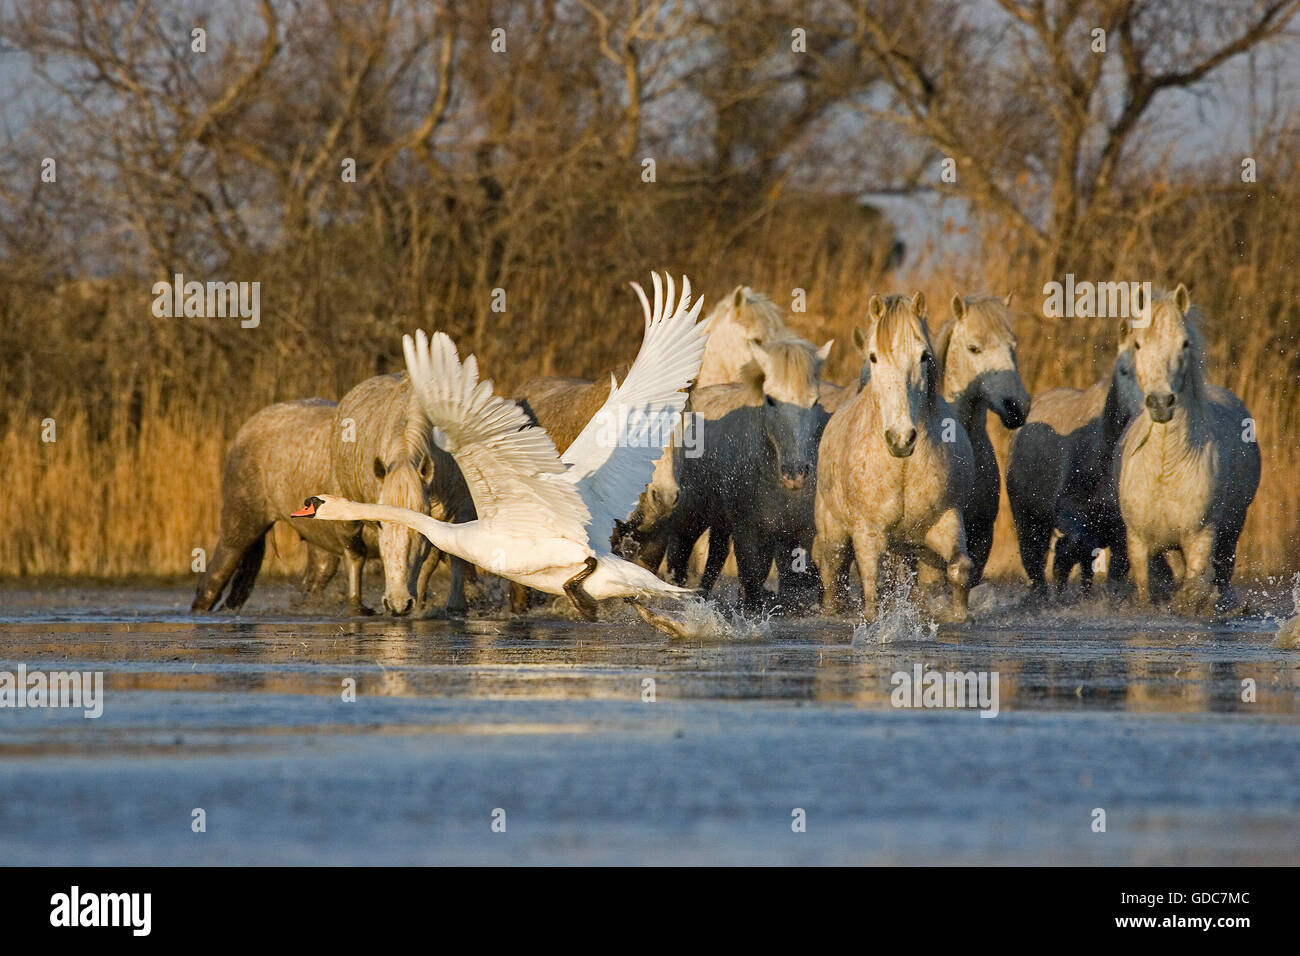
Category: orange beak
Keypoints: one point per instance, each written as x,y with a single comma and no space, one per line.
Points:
306,512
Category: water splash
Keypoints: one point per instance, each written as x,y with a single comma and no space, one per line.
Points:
703,620
898,619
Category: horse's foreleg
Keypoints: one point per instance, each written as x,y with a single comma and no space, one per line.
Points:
430,565
320,570
1138,555
947,538
1198,593
1225,557
1117,568
520,598
979,545
1035,538
868,546
719,548
355,556
830,556
928,574
753,562
1069,552
456,603
681,543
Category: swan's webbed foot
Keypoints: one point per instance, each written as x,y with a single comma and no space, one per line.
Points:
660,622
583,601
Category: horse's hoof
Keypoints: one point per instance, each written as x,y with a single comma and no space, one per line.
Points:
1194,599
1230,603
951,615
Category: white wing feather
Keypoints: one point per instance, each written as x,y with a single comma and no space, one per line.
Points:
610,471
508,466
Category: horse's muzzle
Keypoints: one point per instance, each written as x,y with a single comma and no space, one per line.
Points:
1012,415
402,611
900,446
1161,406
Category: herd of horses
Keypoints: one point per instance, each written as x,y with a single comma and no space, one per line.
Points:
1152,466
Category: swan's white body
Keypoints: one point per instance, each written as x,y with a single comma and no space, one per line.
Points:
542,517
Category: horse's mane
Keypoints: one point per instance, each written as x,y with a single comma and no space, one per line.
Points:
417,434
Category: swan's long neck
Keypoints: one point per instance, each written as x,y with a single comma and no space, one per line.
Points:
441,533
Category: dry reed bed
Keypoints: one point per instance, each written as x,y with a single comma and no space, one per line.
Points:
146,407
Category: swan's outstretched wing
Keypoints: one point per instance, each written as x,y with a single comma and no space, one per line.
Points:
509,466
614,456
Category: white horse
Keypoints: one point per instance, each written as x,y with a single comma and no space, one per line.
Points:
886,478
1189,467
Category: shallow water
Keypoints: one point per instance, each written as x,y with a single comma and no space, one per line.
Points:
544,718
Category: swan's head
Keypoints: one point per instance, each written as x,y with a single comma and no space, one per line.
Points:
329,507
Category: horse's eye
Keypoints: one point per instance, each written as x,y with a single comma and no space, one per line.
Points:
1186,344
974,350
771,402
872,356
1136,346
925,358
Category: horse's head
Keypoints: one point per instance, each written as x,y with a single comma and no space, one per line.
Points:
660,496
900,368
785,376
977,350
404,481
1167,352
1124,401
737,322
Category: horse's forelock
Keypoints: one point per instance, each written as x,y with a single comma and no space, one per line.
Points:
898,327
792,365
989,315
1166,320
402,486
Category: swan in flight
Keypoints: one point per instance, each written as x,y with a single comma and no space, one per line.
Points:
544,520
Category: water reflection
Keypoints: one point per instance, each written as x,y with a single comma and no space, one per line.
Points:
1062,668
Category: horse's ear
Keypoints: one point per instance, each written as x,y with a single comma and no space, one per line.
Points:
918,305
426,469
859,340
1007,299
875,307
824,352
738,297
752,377
958,308
1182,299
380,470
